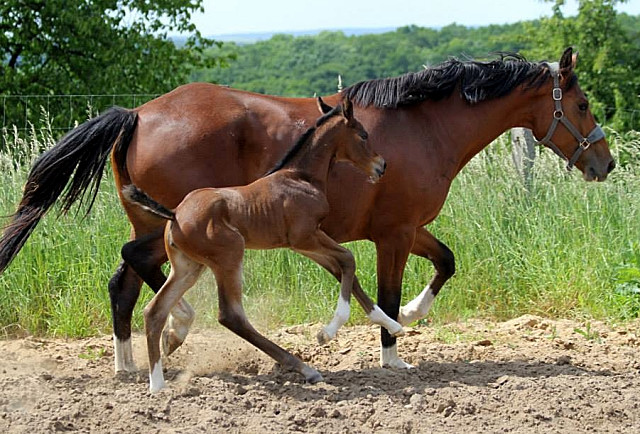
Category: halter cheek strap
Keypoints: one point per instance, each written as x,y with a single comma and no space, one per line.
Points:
559,117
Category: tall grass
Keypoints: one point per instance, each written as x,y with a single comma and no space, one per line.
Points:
564,249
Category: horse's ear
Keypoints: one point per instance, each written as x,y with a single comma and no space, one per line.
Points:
568,60
347,108
323,106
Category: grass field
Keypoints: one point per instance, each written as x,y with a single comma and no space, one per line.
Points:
564,249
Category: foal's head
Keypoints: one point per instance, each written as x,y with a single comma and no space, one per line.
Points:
350,138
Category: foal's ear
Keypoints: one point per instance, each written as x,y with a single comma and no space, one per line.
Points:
347,108
568,60
323,106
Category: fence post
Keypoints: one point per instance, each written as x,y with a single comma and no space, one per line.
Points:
523,152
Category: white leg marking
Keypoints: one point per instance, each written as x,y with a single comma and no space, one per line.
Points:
156,378
417,308
377,316
339,319
123,355
389,358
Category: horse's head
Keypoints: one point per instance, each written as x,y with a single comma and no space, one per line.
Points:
351,139
567,125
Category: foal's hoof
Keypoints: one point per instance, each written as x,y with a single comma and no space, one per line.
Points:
311,376
324,337
396,332
170,342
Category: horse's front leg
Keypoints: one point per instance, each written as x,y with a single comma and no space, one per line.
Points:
427,246
393,247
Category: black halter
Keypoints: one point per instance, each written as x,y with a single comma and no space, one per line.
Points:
559,117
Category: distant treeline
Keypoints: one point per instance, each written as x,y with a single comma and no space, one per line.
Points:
307,65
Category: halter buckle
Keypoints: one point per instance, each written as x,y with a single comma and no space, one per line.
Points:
584,144
557,94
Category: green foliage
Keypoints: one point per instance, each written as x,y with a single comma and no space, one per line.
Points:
609,45
302,66
98,46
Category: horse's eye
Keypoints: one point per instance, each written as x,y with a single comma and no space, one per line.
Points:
364,135
583,106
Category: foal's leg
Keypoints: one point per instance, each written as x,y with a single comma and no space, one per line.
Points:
340,263
427,246
231,315
184,274
146,256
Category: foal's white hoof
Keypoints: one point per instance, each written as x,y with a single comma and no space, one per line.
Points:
323,336
396,330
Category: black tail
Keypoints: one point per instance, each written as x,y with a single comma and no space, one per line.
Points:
134,195
73,166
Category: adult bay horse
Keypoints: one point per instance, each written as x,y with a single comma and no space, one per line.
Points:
427,126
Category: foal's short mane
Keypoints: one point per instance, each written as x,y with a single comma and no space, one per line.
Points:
303,140
477,81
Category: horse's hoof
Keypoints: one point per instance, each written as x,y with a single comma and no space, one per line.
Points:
170,342
397,364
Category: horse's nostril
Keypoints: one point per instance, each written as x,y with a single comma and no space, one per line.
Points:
384,166
611,166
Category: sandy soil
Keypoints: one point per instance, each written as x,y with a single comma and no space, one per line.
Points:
526,375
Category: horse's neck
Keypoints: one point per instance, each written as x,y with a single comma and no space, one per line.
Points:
470,128
313,161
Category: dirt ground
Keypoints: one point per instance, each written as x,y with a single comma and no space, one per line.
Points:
526,375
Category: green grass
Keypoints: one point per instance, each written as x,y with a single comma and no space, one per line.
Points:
565,249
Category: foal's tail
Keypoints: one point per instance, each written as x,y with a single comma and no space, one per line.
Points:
133,194
73,166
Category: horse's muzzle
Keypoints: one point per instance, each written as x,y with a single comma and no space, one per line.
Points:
591,174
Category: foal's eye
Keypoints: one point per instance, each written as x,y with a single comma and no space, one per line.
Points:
364,135
583,106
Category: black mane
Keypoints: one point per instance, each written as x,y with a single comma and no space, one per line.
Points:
477,81
303,140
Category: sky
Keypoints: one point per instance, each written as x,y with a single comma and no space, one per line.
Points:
222,17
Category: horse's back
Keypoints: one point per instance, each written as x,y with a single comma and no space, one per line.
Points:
202,135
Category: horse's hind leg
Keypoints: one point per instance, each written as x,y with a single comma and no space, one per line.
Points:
124,288
231,315
427,246
184,274
146,255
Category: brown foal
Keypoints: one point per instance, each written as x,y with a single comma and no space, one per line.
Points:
213,226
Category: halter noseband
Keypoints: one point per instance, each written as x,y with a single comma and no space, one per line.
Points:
558,116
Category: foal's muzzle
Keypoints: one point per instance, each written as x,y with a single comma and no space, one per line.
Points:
378,167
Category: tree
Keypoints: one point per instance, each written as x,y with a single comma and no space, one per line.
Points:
98,46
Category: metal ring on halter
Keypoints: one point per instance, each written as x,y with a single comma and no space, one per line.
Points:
558,114
585,143
556,94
